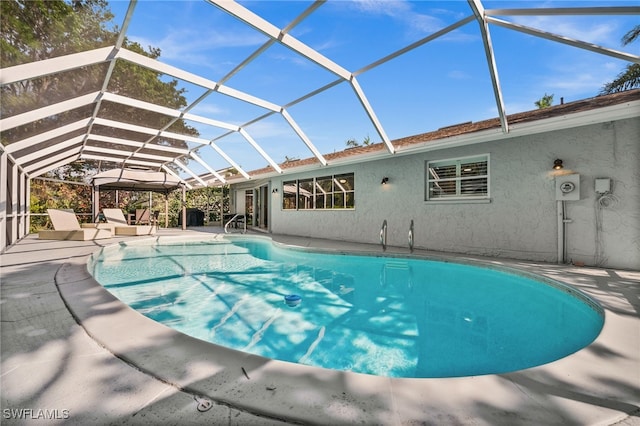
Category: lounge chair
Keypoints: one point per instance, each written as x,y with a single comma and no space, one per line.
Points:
66,227
116,217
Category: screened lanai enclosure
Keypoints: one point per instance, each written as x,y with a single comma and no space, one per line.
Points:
218,92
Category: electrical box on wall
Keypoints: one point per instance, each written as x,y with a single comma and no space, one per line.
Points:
568,187
603,185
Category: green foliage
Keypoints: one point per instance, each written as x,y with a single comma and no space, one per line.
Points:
545,102
38,30
629,78
353,142
626,80
57,195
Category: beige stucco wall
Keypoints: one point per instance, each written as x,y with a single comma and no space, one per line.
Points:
520,221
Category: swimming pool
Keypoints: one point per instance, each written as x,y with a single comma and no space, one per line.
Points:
388,316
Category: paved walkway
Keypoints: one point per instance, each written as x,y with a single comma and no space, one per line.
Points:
52,369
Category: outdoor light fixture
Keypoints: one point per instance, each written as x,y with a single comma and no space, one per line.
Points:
557,164
384,180
274,191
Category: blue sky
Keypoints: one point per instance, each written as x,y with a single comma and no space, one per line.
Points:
438,84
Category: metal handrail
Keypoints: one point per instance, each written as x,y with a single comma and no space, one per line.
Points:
411,236
226,225
383,235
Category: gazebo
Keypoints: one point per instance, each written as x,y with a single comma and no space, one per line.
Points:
138,180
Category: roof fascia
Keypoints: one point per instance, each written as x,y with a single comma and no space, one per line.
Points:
600,115
617,112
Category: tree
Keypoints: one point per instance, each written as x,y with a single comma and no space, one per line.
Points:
630,77
544,102
352,143
37,30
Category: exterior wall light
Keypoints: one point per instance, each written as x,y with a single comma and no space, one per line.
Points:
557,164
274,191
384,180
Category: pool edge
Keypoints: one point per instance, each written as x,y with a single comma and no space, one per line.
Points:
266,392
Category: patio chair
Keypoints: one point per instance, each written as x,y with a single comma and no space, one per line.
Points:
66,227
116,217
146,217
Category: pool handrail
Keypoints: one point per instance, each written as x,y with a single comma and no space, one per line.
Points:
383,235
234,219
411,236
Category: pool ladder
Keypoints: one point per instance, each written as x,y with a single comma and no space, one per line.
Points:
383,235
411,236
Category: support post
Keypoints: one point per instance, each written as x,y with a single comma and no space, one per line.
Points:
95,203
184,208
3,200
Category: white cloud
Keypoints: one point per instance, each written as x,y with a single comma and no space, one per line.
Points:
197,46
208,110
458,75
400,10
601,33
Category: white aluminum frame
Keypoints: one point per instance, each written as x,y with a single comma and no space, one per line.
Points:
36,155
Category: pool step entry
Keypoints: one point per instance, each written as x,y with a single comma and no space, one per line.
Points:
396,272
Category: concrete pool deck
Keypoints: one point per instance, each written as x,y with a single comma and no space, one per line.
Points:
72,352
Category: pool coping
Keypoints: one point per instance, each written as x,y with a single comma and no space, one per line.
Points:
302,394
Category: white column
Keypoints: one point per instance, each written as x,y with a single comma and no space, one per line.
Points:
3,200
13,190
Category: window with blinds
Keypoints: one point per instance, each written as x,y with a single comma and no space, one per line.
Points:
458,178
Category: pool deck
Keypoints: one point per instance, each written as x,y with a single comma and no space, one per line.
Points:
70,351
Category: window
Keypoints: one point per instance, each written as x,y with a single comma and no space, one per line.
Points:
459,178
322,193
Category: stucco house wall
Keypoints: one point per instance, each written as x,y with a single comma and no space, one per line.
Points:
520,221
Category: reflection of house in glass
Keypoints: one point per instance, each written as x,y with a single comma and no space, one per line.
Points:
326,192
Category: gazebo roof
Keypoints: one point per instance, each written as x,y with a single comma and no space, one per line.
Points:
136,180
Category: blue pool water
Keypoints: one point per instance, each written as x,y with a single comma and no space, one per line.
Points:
395,317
